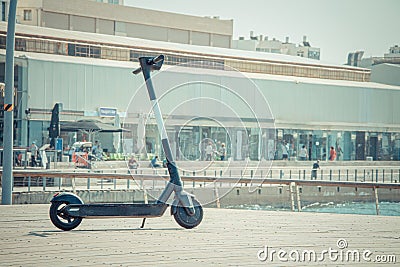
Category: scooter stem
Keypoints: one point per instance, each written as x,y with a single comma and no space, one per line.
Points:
148,64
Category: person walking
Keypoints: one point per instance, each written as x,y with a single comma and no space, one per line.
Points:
209,152
222,151
339,152
303,155
285,151
34,151
315,167
332,154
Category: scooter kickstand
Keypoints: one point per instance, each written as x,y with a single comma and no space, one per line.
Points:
144,220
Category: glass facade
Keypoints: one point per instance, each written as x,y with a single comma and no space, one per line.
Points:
349,145
189,143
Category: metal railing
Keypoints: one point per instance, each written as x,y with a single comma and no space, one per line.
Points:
28,180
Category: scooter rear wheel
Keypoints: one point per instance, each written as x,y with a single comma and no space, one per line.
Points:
60,219
189,221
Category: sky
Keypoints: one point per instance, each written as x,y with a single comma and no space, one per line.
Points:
337,27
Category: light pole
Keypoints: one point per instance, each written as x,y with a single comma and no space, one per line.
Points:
8,141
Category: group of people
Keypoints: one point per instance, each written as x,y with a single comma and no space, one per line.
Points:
154,163
303,153
210,152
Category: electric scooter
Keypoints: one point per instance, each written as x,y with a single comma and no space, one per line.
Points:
67,210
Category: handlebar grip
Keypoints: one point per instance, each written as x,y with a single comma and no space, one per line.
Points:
155,60
158,59
137,71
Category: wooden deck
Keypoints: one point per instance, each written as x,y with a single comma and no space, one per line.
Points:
225,237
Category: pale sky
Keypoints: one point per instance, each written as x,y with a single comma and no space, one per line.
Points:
337,27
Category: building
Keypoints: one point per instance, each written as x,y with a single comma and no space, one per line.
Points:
384,69
119,20
262,99
264,44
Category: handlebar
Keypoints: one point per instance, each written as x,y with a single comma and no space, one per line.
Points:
151,61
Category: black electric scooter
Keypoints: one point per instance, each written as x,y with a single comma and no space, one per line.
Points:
67,210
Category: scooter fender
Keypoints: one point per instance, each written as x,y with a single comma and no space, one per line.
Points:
184,199
67,197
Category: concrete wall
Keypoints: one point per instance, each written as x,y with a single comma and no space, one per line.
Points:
386,73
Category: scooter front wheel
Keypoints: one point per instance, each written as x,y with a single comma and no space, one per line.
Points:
60,219
186,220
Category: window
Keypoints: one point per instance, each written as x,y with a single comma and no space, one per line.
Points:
3,11
28,14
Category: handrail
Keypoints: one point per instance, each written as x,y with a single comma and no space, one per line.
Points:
207,179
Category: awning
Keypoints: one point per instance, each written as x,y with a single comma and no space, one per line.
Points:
89,126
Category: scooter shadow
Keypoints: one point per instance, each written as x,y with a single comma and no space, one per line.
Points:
47,233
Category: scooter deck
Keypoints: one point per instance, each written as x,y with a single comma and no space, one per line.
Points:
116,210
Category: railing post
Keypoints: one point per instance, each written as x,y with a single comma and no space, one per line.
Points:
376,201
330,175
372,176
383,175
298,197
88,183
322,175
339,175
304,174
376,176
128,183
291,196
217,195
29,184
355,175
44,183
391,176
347,175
